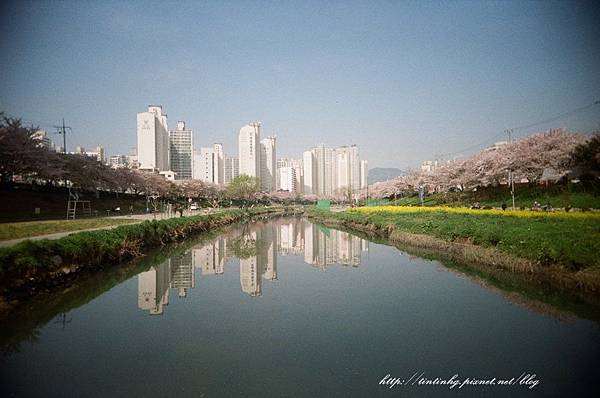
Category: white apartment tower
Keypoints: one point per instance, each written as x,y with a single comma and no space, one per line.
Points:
153,139
354,167
181,152
290,175
347,169
268,164
326,170
203,165
309,166
231,168
209,164
249,150
287,179
364,174
218,164
344,177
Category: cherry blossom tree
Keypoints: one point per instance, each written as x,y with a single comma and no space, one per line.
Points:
527,158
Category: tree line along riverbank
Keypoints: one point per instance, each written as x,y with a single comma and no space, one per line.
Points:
31,266
559,248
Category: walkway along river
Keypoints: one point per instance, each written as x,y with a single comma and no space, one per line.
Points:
287,307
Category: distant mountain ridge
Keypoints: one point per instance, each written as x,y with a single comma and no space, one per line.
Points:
379,174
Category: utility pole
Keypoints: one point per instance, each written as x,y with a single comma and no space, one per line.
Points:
64,137
63,130
511,179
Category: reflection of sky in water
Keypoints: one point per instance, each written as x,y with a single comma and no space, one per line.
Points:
257,248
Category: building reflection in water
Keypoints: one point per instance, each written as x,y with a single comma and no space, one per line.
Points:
257,248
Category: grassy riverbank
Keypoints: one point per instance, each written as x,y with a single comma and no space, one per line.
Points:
35,228
32,265
564,246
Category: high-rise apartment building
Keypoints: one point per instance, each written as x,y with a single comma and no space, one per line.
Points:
231,168
249,150
332,171
181,152
309,186
348,170
290,175
354,167
153,139
344,177
218,164
268,164
203,165
326,170
209,164
287,179
364,174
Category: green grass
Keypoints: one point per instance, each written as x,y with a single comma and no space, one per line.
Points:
35,228
556,196
573,243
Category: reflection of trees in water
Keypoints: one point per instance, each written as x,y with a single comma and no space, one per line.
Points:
32,336
245,245
13,346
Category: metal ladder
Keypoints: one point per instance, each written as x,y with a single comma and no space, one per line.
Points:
71,209
72,205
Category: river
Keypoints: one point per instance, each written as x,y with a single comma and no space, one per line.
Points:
291,308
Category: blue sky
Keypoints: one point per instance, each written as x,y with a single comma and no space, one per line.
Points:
403,80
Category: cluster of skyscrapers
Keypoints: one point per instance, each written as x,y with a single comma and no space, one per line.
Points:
171,151
334,171
319,248
322,171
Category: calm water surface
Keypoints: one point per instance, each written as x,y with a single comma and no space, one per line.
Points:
290,308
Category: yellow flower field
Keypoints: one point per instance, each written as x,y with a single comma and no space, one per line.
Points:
464,210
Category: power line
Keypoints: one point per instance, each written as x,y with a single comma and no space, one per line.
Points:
558,117
523,127
472,146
